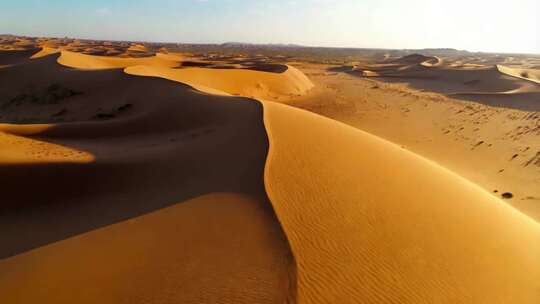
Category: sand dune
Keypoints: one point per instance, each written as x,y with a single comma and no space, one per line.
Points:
243,82
18,149
45,51
413,59
370,222
496,148
137,48
147,145
158,192
433,62
253,81
483,83
12,57
180,254
91,62
527,74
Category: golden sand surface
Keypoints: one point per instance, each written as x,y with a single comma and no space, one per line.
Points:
133,190
496,147
216,248
132,175
92,62
241,82
374,223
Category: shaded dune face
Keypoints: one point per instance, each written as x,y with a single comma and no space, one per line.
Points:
216,248
15,56
75,227
369,222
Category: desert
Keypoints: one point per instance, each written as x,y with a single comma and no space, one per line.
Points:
155,172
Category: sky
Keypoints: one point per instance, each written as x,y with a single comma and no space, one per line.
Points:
474,25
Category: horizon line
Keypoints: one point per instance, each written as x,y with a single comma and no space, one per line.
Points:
270,44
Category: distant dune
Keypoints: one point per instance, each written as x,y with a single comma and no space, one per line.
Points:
243,82
45,51
91,62
485,82
527,74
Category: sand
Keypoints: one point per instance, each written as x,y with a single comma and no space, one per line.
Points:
527,74
485,83
151,182
243,82
496,148
45,51
374,223
13,57
154,156
17,149
180,254
90,62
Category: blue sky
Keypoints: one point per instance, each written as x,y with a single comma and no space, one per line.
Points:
476,25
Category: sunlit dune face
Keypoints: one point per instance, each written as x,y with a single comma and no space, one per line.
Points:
369,222
92,62
234,81
18,149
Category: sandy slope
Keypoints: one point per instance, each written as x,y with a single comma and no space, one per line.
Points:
243,82
494,147
369,222
17,149
248,82
217,248
485,83
76,222
527,74
45,51
12,57
92,62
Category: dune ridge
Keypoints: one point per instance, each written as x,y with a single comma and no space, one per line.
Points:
94,62
527,74
242,82
364,231
485,83
45,51
166,202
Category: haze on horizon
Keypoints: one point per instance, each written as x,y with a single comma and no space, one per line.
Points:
492,26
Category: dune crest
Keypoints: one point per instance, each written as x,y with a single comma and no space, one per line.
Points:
45,51
369,222
92,62
242,82
485,83
527,74
166,202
